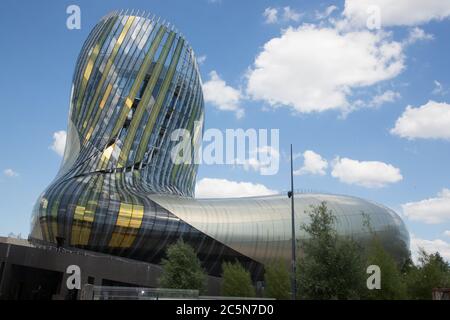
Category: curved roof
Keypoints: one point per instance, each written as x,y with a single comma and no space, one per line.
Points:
260,227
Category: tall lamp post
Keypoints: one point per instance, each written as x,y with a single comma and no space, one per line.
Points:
291,195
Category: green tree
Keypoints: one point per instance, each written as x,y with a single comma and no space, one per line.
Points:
236,281
182,268
431,272
393,286
277,281
331,266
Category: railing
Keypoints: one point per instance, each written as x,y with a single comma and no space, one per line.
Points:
91,292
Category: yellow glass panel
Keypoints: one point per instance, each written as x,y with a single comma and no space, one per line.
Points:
124,32
79,213
125,213
88,136
127,241
88,216
129,103
84,236
105,96
116,239
90,66
108,152
138,214
75,234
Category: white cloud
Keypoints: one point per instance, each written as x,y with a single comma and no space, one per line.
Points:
223,188
439,89
369,174
308,75
417,34
270,15
290,14
447,233
201,59
222,96
325,14
313,164
59,142
264,160
430,247
385,97
10,173
430,121
432,211
397,12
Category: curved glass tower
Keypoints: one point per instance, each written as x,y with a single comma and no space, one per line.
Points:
119,192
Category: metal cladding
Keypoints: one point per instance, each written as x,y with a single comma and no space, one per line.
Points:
118,191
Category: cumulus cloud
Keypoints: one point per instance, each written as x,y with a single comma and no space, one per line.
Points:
270,15
385,97
369,174
222,96
326,13
430,247
430,121
59,142
264,160
417,34
447,233
432,211
398,12
439,89
313,164
223,188
287,14
201,59
307,75
10,173
290,14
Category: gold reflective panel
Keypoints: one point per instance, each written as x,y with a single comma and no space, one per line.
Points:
138,214
124,217
88,136
106,95
129,220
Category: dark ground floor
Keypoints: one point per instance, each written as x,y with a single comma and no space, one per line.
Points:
39,272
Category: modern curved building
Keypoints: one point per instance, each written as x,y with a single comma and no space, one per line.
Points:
118,192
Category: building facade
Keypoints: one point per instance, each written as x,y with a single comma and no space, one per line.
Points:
118,192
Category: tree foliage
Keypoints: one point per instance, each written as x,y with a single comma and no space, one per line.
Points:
334,267
392,285
431,272
236,281
277,281
182,268
331,266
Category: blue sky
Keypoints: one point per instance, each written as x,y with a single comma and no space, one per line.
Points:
331,85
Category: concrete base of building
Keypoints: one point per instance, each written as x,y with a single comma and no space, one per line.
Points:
39,272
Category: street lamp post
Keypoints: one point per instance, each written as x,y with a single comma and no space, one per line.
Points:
291,195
